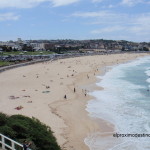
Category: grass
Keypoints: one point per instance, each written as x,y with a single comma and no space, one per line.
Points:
5,63
27,53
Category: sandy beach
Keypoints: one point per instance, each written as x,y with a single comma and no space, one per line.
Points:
56,92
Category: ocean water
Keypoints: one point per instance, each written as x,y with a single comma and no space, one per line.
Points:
124,102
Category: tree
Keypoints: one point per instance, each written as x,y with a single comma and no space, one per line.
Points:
6,48
123,48
15,50
145,49
25,47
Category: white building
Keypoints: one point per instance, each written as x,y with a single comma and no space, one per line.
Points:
19,40
38,46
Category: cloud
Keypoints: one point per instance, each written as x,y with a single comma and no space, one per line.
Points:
131,2
111,6
92,14
57,3
19,3
108,29
142,24
109,23
102,17
95,1
137,26
8,16
33,3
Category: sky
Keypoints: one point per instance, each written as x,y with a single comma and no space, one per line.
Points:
75,19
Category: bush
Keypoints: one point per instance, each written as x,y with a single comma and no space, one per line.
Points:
22,128
6,130
3,119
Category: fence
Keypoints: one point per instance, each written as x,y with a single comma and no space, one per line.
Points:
9,144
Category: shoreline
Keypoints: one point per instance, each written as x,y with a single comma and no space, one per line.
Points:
67,118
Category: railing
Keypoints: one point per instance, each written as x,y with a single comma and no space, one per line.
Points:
9,144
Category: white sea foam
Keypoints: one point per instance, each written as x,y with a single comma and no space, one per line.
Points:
147,72
122,104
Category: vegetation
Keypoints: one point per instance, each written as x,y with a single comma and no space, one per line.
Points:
5,63
6,48
26,53
27,48
22,128
145,49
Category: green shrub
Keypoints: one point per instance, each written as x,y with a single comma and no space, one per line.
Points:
22,128
6,130
3,119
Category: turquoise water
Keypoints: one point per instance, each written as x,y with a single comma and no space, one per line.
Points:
125,102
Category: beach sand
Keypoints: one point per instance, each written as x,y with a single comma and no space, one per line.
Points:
57,93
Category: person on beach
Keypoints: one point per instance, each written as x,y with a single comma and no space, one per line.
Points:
65,97
87,76
26,145
85,93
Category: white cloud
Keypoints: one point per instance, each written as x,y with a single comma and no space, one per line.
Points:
137,26
102,17
92,14
95,1
108,23
111,6
108,29
8,16
57,3
131,2
142,26
33,3
19,3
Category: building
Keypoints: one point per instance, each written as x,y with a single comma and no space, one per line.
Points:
38,46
